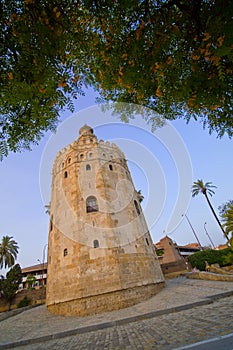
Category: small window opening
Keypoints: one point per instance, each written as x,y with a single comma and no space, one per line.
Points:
147,241
88,167
91,139
96,243
81,156
110,167
91,204
65,174
137,207
65,252
69,160
51,223
62,164
90,154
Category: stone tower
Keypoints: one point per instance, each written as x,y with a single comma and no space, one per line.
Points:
100,255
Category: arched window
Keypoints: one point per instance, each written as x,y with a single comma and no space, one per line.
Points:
65,174
88,167
91,204
96,243
65,252
69,160
110,167
137,207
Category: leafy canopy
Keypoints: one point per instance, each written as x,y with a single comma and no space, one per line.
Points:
227,219
223,208
172,56
198,259
31,280
11,283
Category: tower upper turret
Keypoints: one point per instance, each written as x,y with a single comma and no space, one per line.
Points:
85,130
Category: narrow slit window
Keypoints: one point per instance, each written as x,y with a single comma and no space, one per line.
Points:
51,222
147,241
110,167
137,207
65,252
65,174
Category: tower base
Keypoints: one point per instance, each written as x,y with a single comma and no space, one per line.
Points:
105,302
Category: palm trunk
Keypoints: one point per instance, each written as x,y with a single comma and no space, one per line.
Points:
215,215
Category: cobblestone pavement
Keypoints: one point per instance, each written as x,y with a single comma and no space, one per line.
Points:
184,312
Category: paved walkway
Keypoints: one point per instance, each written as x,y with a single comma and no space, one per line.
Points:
184,312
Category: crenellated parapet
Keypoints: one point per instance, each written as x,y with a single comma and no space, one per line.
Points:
87,149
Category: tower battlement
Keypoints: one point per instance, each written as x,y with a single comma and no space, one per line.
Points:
110,151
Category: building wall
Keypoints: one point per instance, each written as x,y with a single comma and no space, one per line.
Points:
105,259
171,254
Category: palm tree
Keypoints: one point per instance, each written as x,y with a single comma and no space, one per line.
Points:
206,189
227,218
8,251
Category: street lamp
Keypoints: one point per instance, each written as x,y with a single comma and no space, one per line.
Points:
43,262
193,231
208,235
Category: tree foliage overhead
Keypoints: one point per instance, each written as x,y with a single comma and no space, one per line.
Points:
173,56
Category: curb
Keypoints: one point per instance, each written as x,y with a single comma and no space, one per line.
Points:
104,325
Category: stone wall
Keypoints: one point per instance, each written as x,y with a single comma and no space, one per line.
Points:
175,266
106,301
37,296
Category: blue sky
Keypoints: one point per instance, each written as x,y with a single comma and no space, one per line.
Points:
153,169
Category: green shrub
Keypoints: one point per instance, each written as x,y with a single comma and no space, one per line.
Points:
24,302
211,256
228,258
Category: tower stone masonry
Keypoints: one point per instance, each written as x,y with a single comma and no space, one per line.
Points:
100,253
